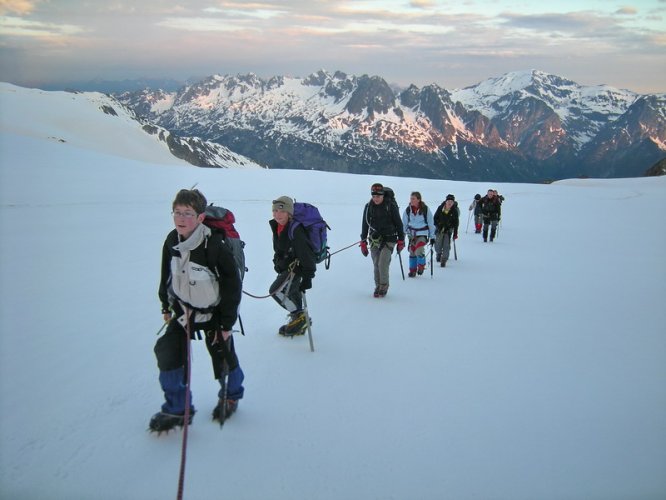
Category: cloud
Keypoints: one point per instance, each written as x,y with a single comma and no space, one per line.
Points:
19,7
199,24
422,4
20,27
627,11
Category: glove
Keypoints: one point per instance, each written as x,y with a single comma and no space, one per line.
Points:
432,241
455,236
401,245
306,284
364,248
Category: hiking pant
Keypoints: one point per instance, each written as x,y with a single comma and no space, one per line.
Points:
443,243
417,247
381,259
492,223
286,291
171,353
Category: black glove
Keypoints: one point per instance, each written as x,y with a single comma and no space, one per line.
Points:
432,241
306,284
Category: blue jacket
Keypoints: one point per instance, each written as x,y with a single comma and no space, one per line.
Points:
419,224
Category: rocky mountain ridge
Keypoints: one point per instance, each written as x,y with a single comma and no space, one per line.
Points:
522,126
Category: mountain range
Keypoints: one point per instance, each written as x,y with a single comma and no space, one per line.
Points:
524,126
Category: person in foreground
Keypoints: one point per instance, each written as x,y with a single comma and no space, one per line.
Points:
200,290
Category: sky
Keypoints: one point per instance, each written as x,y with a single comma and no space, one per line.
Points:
451,43
533,367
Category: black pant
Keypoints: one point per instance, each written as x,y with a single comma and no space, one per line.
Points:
287,291
171,349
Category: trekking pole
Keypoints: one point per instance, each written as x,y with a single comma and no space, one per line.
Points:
160,330
402,269
455,253
225,351
431,266
468,218
307,321
225,391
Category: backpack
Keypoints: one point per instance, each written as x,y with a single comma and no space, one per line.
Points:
424,209
315,226
221,220
389,196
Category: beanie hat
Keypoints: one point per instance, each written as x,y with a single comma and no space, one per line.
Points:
284,203
450,197
377,188
477,197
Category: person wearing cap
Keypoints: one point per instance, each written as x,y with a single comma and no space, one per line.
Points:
382,228
419,225
295,263
447,220
491,207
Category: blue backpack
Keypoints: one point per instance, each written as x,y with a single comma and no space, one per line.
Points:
315,226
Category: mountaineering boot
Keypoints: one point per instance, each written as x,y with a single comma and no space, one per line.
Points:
376,292
296,326
231,407
443,263
420,269
478,228
164,422
383,290
412,273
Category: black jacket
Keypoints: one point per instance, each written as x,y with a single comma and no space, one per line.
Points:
382,221
213,254
287,250
491,207
447,221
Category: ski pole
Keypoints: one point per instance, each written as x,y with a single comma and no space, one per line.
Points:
455,253
160,330
468,218
165,323
240,322
431,252
224,352
402,269
307,321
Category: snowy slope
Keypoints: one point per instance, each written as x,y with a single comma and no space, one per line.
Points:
63,117
530,368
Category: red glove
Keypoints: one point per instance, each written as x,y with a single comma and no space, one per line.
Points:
364,248
401,245
455,236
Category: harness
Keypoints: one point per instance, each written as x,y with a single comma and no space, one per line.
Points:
376,239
